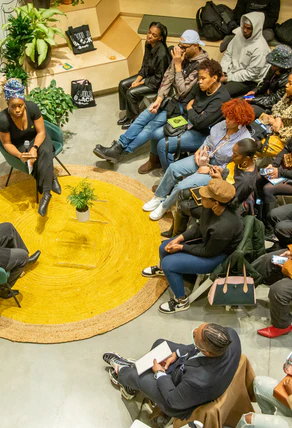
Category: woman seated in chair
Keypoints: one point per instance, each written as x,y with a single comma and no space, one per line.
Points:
22,121
194,170
281,167
200,249
241,172
155,62
13,256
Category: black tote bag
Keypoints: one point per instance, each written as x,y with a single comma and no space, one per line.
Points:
81,93
80,39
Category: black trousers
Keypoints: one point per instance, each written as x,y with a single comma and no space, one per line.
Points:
13,252
239,88
280,219
148,385
43,168
280,293
131,97
268,192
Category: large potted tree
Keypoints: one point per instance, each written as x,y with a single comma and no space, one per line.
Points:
82,197
38,49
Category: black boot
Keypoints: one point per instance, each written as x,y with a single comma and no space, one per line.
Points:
111,154
33,258
56,188
44,203
123,120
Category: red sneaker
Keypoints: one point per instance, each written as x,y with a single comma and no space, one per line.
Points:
272,331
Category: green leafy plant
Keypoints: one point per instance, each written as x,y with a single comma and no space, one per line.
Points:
81,196
43,34
53,102
12,48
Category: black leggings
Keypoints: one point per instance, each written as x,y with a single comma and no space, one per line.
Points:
267,191
130,97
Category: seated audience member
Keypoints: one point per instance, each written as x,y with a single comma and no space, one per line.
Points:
203,105
241,172
216,150
13,256
270,8
274,413
273,87
267,191
244,62
193,375
147,80
279,221
22,121
280,294
219,232
177,82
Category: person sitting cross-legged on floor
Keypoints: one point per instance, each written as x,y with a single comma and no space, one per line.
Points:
13,256
177,82
195,170
202,247
193,375
279,277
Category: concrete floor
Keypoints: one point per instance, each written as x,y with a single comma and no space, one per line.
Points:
67,385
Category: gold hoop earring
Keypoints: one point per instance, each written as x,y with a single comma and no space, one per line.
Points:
244,164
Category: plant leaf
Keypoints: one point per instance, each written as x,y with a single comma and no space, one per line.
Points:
43,28
42,49
30,50
48,13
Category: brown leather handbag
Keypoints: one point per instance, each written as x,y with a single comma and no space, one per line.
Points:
287,161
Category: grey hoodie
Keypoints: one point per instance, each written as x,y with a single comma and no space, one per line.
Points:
245,59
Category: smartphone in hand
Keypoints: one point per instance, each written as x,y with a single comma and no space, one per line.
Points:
279,260
266,171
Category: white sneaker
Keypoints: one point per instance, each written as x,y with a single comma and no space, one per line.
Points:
152,271
158,213
153,203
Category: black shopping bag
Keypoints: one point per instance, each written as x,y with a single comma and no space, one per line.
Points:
81,93
80,39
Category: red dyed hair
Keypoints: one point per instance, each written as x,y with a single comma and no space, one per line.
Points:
239,110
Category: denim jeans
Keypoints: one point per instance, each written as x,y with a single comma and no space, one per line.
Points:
171,183
176,265
190,141
141,129
263,388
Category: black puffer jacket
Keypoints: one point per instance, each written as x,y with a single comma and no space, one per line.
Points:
272,89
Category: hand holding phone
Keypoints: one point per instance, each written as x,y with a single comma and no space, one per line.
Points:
279,260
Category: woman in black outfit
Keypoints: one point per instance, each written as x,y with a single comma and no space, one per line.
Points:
267,192
22,121
155,62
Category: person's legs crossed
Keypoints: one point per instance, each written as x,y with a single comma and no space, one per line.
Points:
133,98
124,85
263,388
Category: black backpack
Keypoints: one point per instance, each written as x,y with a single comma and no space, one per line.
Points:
284,32
214,21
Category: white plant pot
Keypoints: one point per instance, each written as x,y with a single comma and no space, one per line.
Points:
83,216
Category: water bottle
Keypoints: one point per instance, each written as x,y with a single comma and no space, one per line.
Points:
26,145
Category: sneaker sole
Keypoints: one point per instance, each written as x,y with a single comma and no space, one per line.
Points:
149,210
174,312
112,379
152,275
126,395
102,156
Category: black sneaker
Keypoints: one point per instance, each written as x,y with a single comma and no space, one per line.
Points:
115,360
152,271
174,305
126,392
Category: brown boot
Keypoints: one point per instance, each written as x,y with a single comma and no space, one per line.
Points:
152,163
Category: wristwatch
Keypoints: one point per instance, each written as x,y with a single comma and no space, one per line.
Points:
36,147
158,371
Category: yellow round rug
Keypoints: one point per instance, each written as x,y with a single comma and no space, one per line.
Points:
88,278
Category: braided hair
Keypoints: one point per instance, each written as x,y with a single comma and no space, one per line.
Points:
216,337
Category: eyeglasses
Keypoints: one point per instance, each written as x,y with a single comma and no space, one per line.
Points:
184,47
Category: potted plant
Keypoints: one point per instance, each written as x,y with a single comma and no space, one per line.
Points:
38,49
82,197
53,103
12,48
